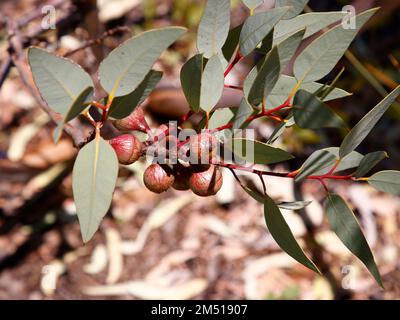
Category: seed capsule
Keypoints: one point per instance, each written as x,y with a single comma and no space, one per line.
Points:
206,183
203,147
158,178
127,147
135,121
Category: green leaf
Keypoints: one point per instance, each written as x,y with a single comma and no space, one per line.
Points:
281,128
220,117
319,58
293,205
296,6
252,4
59,80
266,44
287,48
212,84
127,65
311,113
191,73
369,161
313,22
256,28
367,123
345,225
285,85
231,42
315,162
213,27
93,181
123,106
352,160
280,231
266,78
244,111
74,110
386,181
257,152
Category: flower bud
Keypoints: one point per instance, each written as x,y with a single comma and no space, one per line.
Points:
206,183
158,178
127,147
135,121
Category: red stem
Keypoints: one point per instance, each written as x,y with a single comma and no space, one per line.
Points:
237,58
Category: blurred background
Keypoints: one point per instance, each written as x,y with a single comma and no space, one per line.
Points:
177,245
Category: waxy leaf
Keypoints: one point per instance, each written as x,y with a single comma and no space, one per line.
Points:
282,234
213,27
266,78
386,181
257,152
76,108
212,84
345,225
315,162
59,80
293,205
93,181
231,42
369,161
287,48
191,73
127,65
352,160
252,4
296,6
319,58
360,131
256,28
310,112
219,118
289,122
123,106
313,22
285,85
244,111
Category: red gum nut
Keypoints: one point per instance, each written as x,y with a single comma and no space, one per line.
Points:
182,176
135,121
127,147
206,183
203,145
158,178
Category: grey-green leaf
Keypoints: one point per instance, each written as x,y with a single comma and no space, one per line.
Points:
257,27
313,22
74,110
244,111
281,128
252,4
296,6
59,80
285,85
231,42
315,162
266,78
220,117
257,152
352,160
369,161
293,205
319,58
282,234
93,181
123,106
212,84
191,73
127,65
287,48
311,113
367,123
345,225
386,181
213,27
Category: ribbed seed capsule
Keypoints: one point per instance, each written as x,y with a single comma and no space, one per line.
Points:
127,147
206,183
135,121
158,178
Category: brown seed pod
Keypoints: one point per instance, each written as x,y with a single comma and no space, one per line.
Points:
127,147
135,121
203,146
182,175
158,178
206,183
